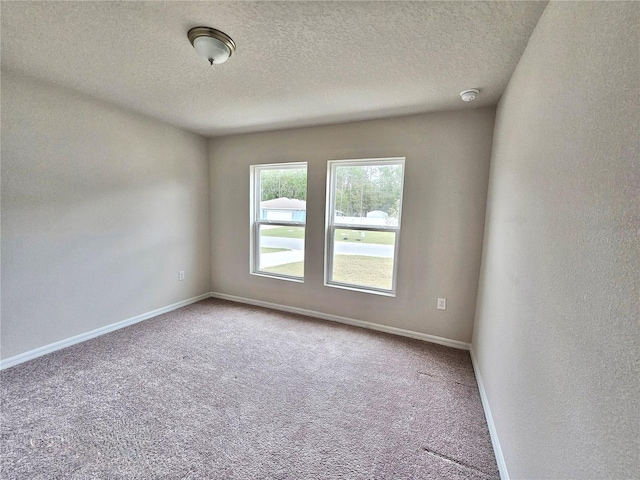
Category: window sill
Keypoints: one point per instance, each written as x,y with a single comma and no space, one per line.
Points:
355,288
278,277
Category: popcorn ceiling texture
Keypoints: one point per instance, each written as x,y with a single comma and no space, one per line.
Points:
297,63
556,333
226,391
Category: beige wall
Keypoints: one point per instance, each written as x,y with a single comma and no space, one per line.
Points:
557,333
446,178
100,210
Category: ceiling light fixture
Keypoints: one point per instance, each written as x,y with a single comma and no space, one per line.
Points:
212,44
469,95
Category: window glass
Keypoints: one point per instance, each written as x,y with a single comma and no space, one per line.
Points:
278,220
363,210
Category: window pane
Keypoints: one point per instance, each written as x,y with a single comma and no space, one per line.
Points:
367,194
283,194
281,250
363,258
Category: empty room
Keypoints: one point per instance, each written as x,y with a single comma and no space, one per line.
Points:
320,240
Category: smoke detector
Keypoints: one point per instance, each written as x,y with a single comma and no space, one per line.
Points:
469,95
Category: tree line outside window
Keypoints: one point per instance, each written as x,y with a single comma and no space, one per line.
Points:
359,189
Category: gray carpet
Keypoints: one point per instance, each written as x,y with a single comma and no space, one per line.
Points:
227,391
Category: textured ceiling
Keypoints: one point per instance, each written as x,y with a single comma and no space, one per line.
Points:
297,63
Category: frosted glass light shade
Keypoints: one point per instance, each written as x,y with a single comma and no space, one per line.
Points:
212,49
212,44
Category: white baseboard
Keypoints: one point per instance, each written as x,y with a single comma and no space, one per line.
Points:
348,321
497,449
38,352
67,342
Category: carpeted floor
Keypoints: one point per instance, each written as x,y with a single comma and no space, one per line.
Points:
227,391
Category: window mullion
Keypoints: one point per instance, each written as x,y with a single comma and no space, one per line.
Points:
367,228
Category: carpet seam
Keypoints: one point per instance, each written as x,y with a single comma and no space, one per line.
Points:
454,461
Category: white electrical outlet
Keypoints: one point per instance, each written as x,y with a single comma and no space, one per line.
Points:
442,304
181,276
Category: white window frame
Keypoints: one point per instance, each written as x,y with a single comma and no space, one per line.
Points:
330,225
256,221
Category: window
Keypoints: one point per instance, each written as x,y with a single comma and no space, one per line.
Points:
278,218
364,207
